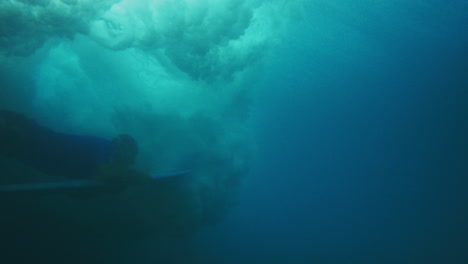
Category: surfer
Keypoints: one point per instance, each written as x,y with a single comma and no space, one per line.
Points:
74,157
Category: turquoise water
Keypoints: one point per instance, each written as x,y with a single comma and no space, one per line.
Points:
321,131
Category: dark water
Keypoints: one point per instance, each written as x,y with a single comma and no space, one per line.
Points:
358,117
363,158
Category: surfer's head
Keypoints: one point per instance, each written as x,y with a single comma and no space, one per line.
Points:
126,150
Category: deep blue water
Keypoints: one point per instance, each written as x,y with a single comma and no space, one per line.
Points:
362,159
359,123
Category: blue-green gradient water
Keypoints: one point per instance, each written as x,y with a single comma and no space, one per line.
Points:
323,131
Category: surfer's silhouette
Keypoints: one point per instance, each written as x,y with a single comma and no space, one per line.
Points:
68,156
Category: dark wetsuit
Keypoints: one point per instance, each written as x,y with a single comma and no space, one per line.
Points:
54,153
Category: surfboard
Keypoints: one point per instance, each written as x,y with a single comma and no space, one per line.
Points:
74,185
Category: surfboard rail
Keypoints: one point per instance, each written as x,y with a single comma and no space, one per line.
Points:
73,185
